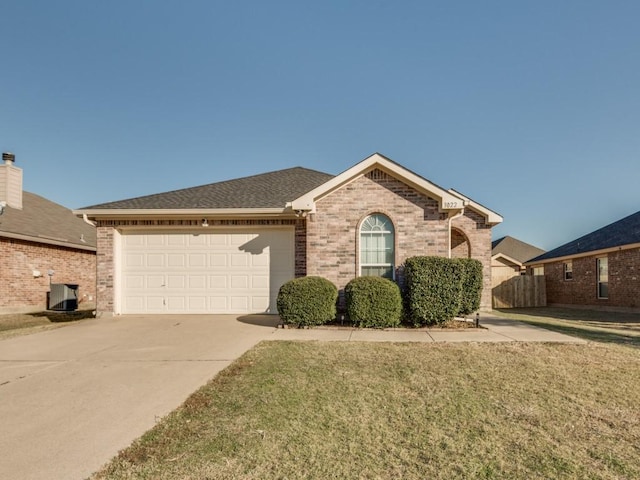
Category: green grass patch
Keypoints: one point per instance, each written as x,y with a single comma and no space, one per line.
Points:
412,411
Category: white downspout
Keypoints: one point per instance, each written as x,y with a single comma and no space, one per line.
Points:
451,219
86,219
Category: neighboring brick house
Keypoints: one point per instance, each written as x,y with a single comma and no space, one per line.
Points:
599,269
227,247
41,242
508,256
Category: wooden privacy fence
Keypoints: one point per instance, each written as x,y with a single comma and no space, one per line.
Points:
520,291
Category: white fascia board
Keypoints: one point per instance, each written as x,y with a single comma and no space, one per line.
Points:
507,258
183,212
491,217
448,200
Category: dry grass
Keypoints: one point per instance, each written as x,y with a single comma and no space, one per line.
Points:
594,325
16,324
290,410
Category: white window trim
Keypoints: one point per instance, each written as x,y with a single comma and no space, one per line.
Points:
392,232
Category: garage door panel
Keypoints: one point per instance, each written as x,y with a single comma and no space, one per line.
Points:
155,303
154,260
198,304
134,260
155,281
219,304
239,304
154,240
225,272
134,281
197,260
176,304
135,303
217,281
238,260
239,281
176,281
218,260
197,282
176,260
260,281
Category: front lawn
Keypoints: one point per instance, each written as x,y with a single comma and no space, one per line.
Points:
292,410
595,325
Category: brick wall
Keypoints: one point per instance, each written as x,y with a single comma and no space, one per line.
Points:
478,234
20,291
420,229
624,281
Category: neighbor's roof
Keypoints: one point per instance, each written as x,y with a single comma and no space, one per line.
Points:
44,221
514,248
267,190
620,233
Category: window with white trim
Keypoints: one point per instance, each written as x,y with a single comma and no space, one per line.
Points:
568,270
377,251
537,270
602,268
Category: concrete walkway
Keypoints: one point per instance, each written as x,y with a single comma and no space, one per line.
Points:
494,329
72,397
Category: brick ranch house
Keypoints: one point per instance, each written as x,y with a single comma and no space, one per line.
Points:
227,247
600,269
40,242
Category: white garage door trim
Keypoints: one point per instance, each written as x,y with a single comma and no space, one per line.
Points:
202,271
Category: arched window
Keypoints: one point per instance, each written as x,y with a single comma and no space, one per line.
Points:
377,247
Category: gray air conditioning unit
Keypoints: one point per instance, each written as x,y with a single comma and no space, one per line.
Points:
63,297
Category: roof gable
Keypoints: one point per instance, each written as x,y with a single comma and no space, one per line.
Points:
623,232
515,249
449,200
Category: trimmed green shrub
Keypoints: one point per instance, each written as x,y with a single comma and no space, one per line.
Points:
307,301
373,302
433,289
471,291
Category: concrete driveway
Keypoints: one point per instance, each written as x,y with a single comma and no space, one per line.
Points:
71,398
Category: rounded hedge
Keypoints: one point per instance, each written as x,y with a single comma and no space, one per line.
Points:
307,301
373,302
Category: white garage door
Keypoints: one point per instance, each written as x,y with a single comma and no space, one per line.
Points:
197,272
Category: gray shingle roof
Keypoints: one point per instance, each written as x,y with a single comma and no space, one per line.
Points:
45,221
617,234
514,248
268,190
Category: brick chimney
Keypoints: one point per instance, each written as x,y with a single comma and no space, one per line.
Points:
10,182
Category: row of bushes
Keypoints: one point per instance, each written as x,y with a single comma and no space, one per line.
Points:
437,289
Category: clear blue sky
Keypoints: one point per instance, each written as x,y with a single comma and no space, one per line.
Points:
531,108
